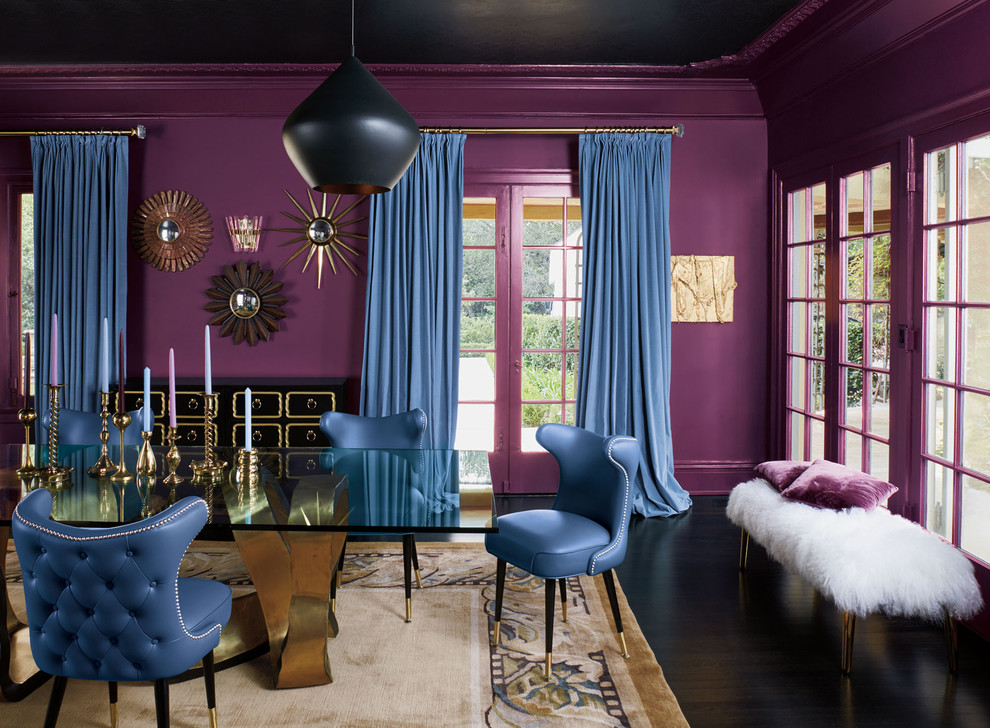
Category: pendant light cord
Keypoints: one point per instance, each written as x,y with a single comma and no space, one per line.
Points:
352,27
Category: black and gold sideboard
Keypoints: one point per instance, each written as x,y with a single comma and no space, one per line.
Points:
284,412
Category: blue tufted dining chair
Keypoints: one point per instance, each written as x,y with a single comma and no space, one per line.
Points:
403,431
107,603
586,530
76,427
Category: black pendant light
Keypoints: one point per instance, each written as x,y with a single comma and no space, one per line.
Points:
350,135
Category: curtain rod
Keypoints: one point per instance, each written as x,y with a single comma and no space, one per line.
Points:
139,131
676,129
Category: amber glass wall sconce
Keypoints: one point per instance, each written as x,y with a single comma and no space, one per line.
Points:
245,233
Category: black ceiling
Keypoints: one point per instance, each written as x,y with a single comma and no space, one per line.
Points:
527,32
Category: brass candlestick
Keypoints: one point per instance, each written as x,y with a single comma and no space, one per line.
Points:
54,473
209,470
146,463
26,417
172,458
122,420
145,487
102,467
247,468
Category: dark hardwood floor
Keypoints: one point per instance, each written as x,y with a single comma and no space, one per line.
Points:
763,649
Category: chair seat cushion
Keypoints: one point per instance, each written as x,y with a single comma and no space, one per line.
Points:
204,603
547,543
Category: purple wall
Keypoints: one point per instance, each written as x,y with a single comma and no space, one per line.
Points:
217,136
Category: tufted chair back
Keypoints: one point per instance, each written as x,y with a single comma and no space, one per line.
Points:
596,479
76,427
107,603
403,431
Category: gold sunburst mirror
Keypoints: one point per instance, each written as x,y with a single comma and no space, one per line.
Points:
171,230
320,231
246,303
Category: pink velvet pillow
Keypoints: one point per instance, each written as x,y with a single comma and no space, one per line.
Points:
781,473
829,485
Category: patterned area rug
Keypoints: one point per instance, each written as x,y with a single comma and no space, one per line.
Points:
438,670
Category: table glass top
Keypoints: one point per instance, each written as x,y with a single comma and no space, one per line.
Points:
383,491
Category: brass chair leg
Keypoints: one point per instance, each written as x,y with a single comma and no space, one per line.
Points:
408,544
848,632
613,600
743,549
499,591
112,688
415,563
951,640
551,594
563,598
211,690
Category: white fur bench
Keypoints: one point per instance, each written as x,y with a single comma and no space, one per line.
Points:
866,562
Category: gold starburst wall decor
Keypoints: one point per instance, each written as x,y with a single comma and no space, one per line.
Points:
245,302
321,231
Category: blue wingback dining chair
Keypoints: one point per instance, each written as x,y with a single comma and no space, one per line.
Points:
107,603
585,532
403,431
76,427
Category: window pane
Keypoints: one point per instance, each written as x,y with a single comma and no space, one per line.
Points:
543,221
854,204
940,187
879,459
541,376
881,198
818,271
477,324
852,455
478,232
817,404
534,415
798,276
798,339
880,340
542,274
854,269
880,405
976,348
975,432
479,273
818,208
940,347
476,378
976,262
797,396
818,329
940,420
799,220
817,440
854,398
795,443
573,273
475,427
941,272
938,500
26,296
880,279
973,517
573,325
977,154
854,332
570,382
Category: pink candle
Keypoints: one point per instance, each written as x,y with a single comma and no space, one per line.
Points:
171,387
27,367
120,376
53,375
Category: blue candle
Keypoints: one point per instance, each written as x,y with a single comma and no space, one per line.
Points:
104,358
147,399
247,419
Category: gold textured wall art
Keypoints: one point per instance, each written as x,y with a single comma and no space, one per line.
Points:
702,288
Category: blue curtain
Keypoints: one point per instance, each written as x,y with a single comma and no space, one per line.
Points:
412,325
80,254
624,357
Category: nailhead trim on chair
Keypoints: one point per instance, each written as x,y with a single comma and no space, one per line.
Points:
128,533
625,501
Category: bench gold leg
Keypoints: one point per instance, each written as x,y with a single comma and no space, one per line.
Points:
743,549
951,640
848,632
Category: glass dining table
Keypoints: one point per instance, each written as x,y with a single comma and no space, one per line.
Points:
289,517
